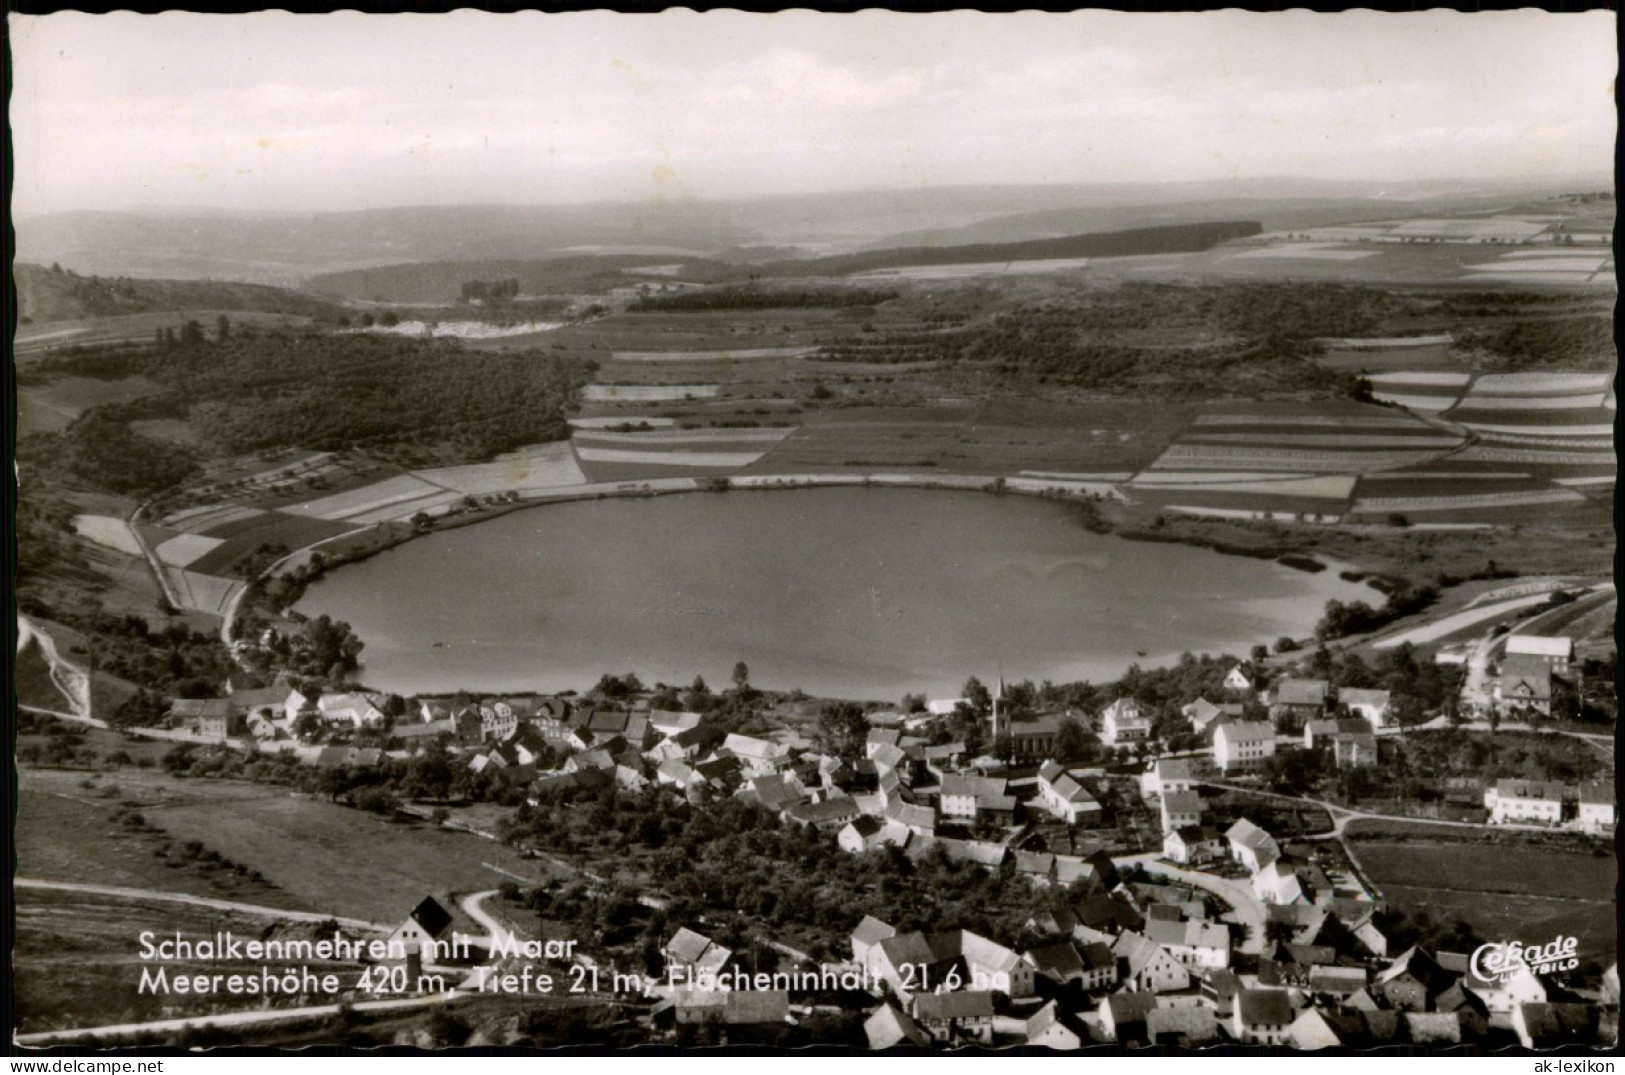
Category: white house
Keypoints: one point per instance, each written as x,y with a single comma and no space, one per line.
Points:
1251,846
1181,808
1370,704
1262,1017
1237,680
1192,845
1147,966
1064,797
1556,651
1168,775
1123,722
1277,882
1526,801
1597,810
1243,744
355,710
1192,942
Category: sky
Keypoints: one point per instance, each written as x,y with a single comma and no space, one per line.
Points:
276,111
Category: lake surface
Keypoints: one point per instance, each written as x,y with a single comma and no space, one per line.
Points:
845,592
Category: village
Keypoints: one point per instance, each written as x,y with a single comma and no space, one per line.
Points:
1196,904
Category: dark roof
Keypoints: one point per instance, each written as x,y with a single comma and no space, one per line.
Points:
1560,1024
434,918
1265,1007
940,1007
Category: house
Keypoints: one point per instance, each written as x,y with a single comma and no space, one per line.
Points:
671,722
1369,705
1524,686
1166,775
1124,722
990,965
1035,737
1058,961
1099,967
1262,1017
896,961
353,709
867,935
1123,1016
1205,715
1412,981
1181,809
1144,966
825,816
1193,942
1337,982
1503,993
757,756
1523,801
867,833
1050,1028
965,796
1297,700
1238,680
887,1028
980,852
1548,1026
1596,807
268,703
1355,751
1191,845
427,923
694,955
957,1016
1555,651
1323,733
1304,920
1182,1027
1277,882
1243,744
1251,846
920,820
1315,1029
1064,797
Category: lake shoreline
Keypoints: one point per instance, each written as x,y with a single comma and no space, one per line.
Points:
1084,520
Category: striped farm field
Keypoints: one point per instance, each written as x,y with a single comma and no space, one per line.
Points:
615,422
1437,378
1540,383
1432,486
367,498
272,528
406,509
1480,402
1245,503
1533,426
744,355
1326,440
213,522
687,436
1205,477
539,466
108,531
1267,421
182,549
1531,456
1324,486
1107,476
1386,343
668,459
1514,498
1352,360
647,393
1234,457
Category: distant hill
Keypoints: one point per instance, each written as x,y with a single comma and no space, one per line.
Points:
1173,239
442,281
285,248
1275,214
45,295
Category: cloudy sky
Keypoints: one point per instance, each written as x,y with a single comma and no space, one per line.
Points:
279,111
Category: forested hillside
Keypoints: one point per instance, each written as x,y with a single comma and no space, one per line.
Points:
56,294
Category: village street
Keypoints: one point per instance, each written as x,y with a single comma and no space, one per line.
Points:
1249,910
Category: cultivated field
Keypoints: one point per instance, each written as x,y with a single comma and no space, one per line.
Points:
1506,893
50,407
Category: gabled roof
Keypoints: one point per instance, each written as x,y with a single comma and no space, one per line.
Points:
965,1004
1137,950
1246,834
1264,1007
1550,1025
1540,645
1059,960
1182,1024
687,945
431,917
1419,965
1543,790
872,930
888,1027
1246,731
1181,802
1301,692
908,948
1129,1008
980,852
